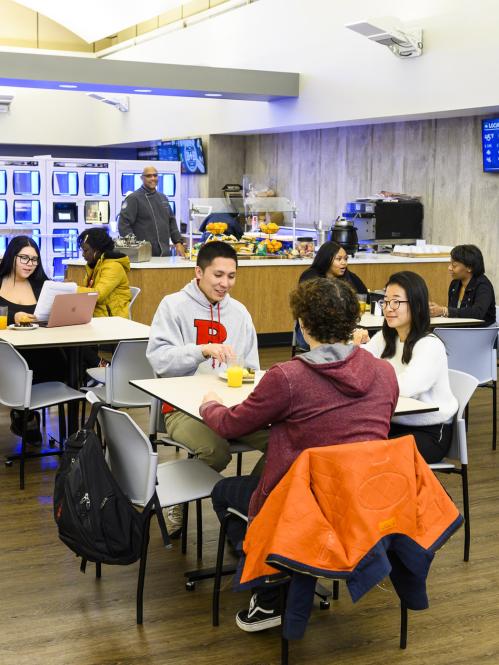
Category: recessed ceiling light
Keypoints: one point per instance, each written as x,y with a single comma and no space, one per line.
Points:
212,94
142,90
69,86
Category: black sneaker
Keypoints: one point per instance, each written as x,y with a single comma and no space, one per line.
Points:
257,618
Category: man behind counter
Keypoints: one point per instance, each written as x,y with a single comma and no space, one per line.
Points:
147,214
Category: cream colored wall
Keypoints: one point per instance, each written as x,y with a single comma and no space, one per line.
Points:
438,159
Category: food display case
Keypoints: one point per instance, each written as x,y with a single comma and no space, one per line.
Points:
79,194
266,234
22,202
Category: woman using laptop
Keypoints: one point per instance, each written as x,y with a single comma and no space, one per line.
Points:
106,273
21,280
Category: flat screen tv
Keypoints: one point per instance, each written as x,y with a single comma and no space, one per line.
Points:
168,151
191,154
490,145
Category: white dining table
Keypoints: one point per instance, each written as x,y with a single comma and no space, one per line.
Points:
375,322
100,330
185,393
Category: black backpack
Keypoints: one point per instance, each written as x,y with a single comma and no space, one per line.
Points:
94,517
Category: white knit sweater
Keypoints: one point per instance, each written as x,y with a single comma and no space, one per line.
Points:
425,378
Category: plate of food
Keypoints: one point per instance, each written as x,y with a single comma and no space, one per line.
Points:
24,326
248,375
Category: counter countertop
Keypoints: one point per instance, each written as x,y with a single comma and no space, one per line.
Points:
363,259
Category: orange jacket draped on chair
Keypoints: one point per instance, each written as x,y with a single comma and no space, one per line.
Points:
357,511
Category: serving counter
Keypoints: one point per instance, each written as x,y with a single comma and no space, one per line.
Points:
263,286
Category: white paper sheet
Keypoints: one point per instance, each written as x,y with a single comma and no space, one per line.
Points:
49,291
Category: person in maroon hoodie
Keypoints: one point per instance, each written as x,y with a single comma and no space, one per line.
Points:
335,393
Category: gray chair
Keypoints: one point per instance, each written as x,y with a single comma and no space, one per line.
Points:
134,290
128,362
99,373
456,461
135,467
18,392
472,350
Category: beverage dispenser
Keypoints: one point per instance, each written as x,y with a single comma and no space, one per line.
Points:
22,200
79,195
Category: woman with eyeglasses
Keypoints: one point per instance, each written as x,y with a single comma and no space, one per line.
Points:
21,280
420,363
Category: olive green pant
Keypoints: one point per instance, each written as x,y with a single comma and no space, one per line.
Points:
206,444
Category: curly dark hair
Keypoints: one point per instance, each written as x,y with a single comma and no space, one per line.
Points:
98,239
328,309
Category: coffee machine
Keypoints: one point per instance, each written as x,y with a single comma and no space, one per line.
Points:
386,221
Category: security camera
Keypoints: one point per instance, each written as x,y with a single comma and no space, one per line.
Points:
402,41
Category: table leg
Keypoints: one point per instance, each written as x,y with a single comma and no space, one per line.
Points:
74,382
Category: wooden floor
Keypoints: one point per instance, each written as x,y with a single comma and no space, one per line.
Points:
51,614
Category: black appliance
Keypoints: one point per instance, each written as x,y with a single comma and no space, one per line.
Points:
345,234
391,220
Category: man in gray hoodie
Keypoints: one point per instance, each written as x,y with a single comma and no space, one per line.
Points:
197,330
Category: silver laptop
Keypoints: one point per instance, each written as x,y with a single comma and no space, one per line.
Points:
71,309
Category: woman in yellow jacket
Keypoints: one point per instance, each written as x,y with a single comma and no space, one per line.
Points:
106,273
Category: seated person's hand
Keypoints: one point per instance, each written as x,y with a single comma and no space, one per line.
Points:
360,336
23,317
221,352
211,397
436,310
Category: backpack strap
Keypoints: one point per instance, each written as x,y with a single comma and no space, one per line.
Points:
155,505
92,417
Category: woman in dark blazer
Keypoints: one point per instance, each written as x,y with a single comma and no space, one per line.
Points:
471,294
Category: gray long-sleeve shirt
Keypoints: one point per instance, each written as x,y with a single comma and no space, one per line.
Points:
148,216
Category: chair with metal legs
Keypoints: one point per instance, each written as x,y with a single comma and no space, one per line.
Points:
135,467
473,351
462,386
18,392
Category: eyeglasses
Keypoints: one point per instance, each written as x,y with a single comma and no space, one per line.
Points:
150,175
394,304
26,260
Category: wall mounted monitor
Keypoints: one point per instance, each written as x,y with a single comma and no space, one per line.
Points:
97,184
490,145
168,151
3,211
150,153
26,182
27,212
65,212
166,183
65,183
191,153
130,182
65,242
3,182
97,212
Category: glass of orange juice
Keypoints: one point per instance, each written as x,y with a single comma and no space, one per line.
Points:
235,372
3,317
362,298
